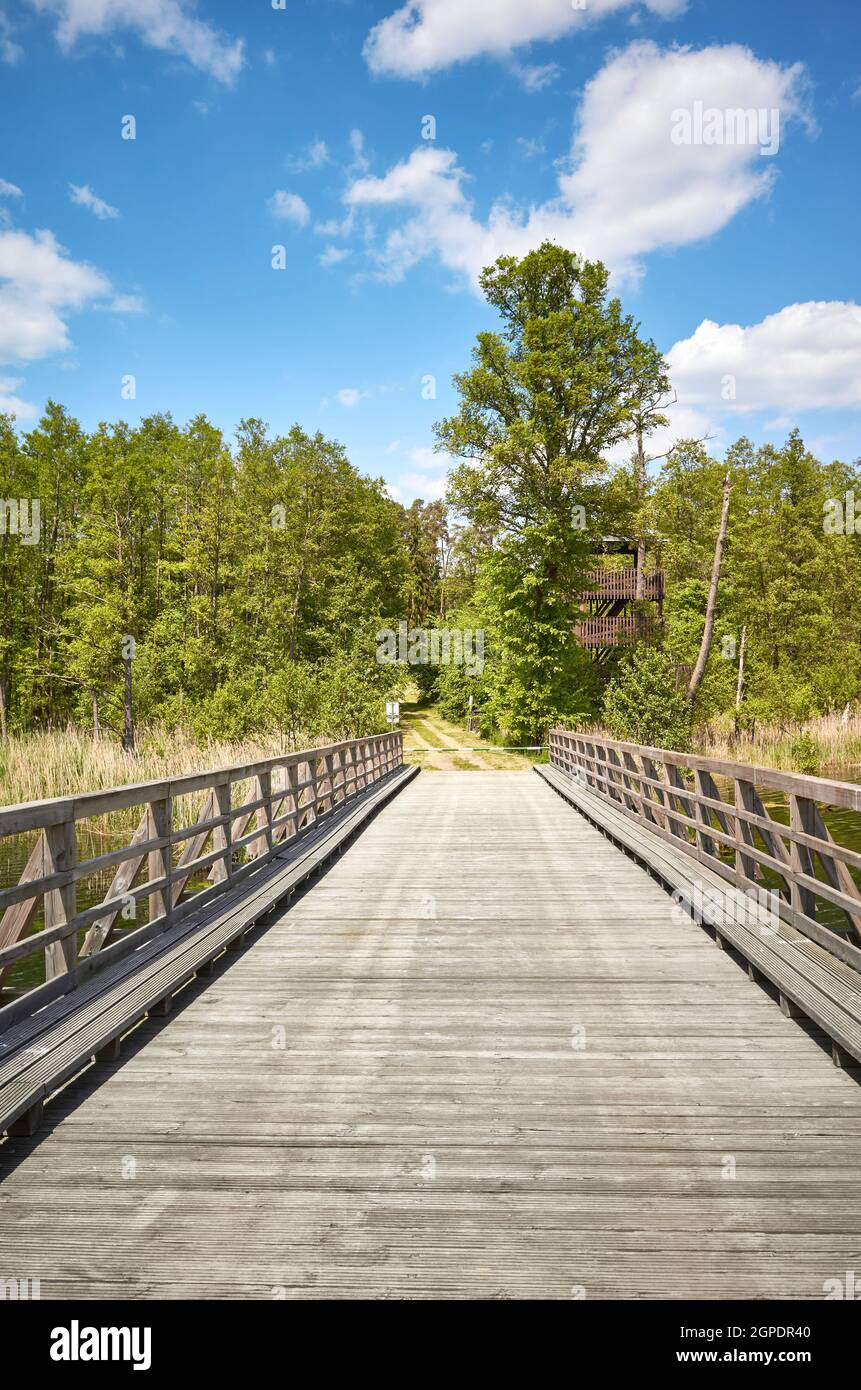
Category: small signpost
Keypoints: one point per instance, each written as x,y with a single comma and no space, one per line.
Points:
393,712
470,722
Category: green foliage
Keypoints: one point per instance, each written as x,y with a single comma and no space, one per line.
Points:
805,754
254,575
456,682
642,704
562,382
548,396
537,674
251,579
794,587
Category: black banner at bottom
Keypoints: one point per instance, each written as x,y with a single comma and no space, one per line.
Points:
60,1339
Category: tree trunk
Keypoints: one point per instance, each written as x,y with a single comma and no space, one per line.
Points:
2,708
739,690
96,729
128,711
294,610
641,489
705,646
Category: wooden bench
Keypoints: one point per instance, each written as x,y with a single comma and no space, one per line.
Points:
42,1052
811,982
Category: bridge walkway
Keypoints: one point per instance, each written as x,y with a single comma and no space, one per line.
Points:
479,1057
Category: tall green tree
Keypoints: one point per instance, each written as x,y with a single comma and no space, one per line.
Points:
567,379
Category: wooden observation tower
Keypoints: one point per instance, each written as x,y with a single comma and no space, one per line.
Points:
613,606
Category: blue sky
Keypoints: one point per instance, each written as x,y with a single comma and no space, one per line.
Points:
302,127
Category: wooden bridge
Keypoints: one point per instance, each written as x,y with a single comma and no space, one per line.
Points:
438,1035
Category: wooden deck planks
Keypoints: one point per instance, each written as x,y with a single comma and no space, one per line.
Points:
507,1072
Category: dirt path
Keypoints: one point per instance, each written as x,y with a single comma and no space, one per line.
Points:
425,728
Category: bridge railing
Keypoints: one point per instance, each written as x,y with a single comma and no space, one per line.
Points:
246,814
714,811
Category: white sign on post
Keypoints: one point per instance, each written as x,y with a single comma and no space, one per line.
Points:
393,711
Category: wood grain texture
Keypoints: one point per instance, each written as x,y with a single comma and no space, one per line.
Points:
507,1071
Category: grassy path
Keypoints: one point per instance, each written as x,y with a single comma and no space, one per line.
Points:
425,728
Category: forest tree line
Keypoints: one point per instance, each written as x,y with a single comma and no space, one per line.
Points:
252,575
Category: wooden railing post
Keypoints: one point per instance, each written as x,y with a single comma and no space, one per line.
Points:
745,866
802,814
705,843
350,771
337,777
675,780
60,857
222,835
292,797
262,791
160,861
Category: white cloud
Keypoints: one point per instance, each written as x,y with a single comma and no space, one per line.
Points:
628,190
289,207
536,78
168,25
529,148
805,357
10,51
427,460
39,286
425,475
316,155
334,226
425,35
332,256
10,190
10,404
127,304
84,196
684,422
350,396
361,163
420,485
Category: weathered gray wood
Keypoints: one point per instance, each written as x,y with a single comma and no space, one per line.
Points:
810,983
428,1129
18,919
823,789
45,1049
60,903
53,869
160,864
836,871
122,882
801,817
696,811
